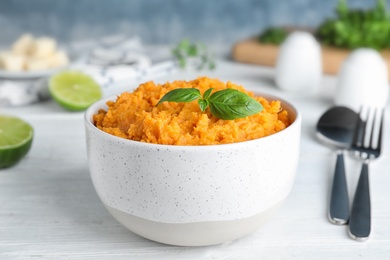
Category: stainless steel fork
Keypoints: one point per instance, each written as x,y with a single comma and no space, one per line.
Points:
366,145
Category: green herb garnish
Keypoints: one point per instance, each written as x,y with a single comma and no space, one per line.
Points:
227,104
198,51
357,28
273,35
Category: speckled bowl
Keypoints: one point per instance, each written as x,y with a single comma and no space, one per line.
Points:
192,195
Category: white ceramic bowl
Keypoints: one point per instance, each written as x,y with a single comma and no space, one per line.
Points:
193,195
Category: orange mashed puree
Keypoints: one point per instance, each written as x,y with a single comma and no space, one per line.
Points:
135,116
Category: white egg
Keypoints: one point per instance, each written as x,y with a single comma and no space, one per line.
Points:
363,80
299,63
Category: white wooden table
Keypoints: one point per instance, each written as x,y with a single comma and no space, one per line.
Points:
49,209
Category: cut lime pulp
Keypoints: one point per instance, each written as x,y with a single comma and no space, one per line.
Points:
16,138
74,90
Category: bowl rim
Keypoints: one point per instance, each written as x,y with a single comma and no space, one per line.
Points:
101,104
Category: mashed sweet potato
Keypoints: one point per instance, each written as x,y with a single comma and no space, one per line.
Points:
135,116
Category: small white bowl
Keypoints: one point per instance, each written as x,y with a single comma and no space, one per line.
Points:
193,195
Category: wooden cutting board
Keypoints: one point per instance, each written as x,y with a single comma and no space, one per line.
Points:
254,52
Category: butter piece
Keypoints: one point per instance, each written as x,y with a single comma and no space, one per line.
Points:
58,59
43,47
23,45
12,62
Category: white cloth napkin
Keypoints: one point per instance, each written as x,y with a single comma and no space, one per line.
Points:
22,92
114,62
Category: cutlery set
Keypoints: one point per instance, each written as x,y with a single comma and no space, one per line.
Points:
361,135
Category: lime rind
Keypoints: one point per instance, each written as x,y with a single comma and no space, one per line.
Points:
16,138
13,155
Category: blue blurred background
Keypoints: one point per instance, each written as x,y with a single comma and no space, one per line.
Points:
216,22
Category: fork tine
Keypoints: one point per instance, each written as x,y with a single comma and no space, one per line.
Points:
379,144
356,132
364,127
360,128
373,123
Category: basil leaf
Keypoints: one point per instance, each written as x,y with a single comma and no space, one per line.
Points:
203,104
207,93
181,95
229,104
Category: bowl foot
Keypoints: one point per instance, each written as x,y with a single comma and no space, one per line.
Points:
192,234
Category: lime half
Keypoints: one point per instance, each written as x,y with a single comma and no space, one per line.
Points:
16,138
74,90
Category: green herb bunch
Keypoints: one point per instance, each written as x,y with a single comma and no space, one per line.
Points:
357,28
227,104
198,51
273,35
